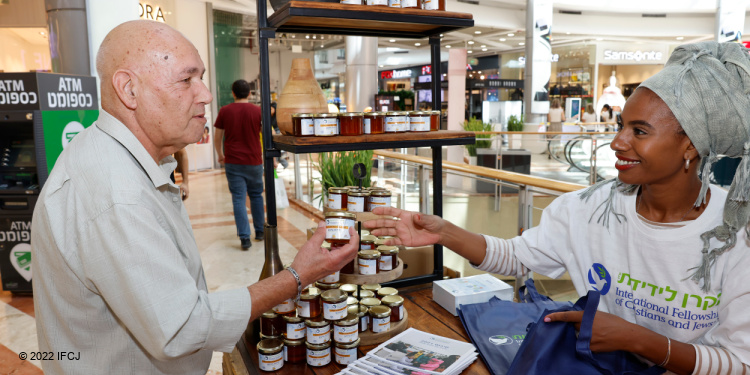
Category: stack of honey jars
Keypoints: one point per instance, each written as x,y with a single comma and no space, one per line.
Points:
354,199
358,123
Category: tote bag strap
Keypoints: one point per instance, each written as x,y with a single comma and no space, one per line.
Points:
528,293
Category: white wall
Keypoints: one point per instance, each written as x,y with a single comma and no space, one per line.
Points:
103,16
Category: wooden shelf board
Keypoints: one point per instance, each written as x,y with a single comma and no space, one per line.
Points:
347,19
300,145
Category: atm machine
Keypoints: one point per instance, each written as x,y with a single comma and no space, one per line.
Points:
40,113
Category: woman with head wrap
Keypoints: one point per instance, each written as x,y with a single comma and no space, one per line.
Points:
666,250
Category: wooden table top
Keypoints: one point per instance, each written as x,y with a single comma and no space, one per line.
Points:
424,314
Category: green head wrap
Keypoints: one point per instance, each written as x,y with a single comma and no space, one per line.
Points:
707,87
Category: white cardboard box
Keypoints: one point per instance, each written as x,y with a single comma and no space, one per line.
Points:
472,289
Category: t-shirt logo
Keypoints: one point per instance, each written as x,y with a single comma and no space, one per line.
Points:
501,340
600,278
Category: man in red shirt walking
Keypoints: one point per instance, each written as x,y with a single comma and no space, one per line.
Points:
238,130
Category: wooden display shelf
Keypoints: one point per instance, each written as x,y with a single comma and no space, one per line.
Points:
369,338
347,19
303,145
381,277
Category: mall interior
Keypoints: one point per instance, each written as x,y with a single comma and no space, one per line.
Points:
597,52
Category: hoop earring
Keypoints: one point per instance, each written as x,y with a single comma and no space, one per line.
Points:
687,163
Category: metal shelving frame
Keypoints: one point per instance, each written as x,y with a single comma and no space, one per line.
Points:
399,26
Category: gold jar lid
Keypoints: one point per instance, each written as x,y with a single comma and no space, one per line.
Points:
365,232
334,295
289,342
369,254
388,250
302,115
363,294
264,337
337,190
322,346
372,287
326,287
349,288
270,346
293,319
395,113
358,193
270,314
341,214
369,302
373,114
349,320
316,323
392,300
434,112
310,293
418,113
350,187
359,310
368,238
351,301
387,291
351,114
380,193
325,115
348,345
380,311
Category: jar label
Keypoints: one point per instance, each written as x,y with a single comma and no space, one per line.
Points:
430,4
318,335
295,331
345,334
346,356
401,313
380,202
357,2
308,126
285,355
356,204
378,2
330,279
284,307
318,358
334,311
365,247
326,126
386,262
364,323
270,362
334,201
367,120
394,3
419,124
408,3
395,123
338,228
368,266
303,309
381,324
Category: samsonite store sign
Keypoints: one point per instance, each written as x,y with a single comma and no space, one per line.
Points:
638,54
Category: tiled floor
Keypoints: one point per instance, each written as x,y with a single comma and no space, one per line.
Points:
227,266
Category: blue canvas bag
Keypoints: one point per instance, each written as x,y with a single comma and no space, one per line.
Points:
497,328
554,348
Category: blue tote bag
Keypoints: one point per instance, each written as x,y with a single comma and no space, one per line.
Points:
554,348
497,328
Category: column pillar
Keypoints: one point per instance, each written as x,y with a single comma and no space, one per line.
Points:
361,72
456,107
68,36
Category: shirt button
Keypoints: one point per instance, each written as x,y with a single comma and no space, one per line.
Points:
175,199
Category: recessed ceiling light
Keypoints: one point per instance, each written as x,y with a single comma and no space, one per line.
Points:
567,33
307,37
448,46
599,38
293,36
392,40
521,43
484,49
477,32
382,66
471,42
680,38
315,37
480,72
502,39
469,51
481,77
321,37
417,44
511,34
43,33
483,46
441,35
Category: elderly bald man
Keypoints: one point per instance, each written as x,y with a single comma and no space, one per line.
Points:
118,277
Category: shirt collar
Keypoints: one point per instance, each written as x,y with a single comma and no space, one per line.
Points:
158,173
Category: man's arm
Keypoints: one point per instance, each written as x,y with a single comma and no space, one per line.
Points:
183,167
219,143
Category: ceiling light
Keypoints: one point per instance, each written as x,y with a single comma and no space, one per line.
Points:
448,46
392,40
321,37
502,39
511,34
417,44
567,33
521,43
315,37
599,38
481,77
483,46
480,72
293,36
322,46
484,49
382,66
477,32
441,35
469,51
307,37
471,42
43,33
680,38
444,74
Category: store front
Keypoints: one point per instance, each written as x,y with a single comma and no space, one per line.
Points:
24,38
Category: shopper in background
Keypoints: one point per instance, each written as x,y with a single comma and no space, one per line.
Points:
607,114
589,116
556,116
667,250
183,167
237,144
118,277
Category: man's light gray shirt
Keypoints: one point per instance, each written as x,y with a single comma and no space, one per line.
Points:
117,273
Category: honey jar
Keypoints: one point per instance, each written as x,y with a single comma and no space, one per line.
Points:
334,304
351,123
433,4
380,198
394,3
382,3
356,201
368,261
346,353
318,332
353,2
388,257
364,317
350,289
330,279
435,115
303,124
396,303
346,330
295,328
396,122
271,324
380,319
326,124
318,355
337,227
324,287
419,121
294,351
371,287
309,305
367,242
374,122
387,291
370,302
338,198
270,354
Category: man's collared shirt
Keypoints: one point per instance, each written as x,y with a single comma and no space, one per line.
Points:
117,272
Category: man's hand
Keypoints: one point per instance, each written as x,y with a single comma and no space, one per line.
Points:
314,262
409,228
221,158
184,191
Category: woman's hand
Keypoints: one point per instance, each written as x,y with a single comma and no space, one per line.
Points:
409,228
609,333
